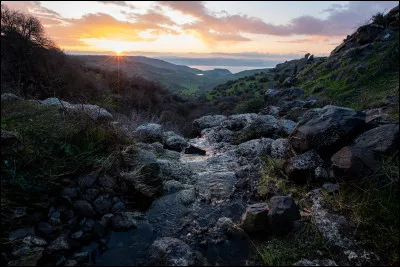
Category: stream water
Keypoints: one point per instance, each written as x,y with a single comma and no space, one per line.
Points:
186,217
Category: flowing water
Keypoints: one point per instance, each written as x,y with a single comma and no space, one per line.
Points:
187,215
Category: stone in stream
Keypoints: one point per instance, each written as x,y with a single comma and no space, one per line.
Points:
169,251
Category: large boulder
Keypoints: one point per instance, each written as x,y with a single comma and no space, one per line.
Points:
83,208
327,129
174,142
273,96
255,219
149,132
10,97
239,121
93,111
301,168
218,134
255,147
383,140
280,148
283,212
368,33
169,251
207,122
102,204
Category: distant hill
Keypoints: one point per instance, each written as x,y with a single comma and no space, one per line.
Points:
176,78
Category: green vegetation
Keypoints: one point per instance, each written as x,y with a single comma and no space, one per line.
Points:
372,207
50,147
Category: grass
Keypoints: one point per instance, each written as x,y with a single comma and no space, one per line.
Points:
52,147
372,207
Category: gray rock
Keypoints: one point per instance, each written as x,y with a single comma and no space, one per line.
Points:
239,121
255,219
218,134
283,212
265,126
272,110
30,259
93,111
168,251
81,256
70,263
280,148
90,194
255,147
87,225
330,188
207,122
21,251
175,170
301,168
77,235
327,129
382,140
174,142
59,244
173,186
125,220
150,132
34,241
83,208
21,233
53,101
102,204
10,97
287,126
320,174
187,196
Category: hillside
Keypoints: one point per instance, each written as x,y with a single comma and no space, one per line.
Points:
360,73
179,79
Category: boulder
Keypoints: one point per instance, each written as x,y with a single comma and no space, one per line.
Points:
21,233
218,134
174,142
238,121
287,126
301,168
265,126
255,219
324,262
330,188
326,129
10,97
175,170
93,111
59,244
209,121
83,208
44,228
273,96
320,174
194,150
106,182
168,251
71,192
368,33
102,204
255,147
283,212
280,148
87,181
149,133
383,140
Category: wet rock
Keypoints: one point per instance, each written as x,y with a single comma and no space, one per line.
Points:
87,181
106,219
70,263
71,192
81,256
59,244
21,233
83,208
324,262
44,228
34,241
326,129
301,168
118,207
256,147
174,142
102,204
125,220
283,212
255,219
90,194
207,122
320,174
168,251
31,259
330,188
280,148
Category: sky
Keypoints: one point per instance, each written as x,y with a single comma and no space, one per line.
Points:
248,30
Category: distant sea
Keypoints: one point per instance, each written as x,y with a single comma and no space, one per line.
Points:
233,69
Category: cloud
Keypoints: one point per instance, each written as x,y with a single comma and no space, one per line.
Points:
117,3
341,20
